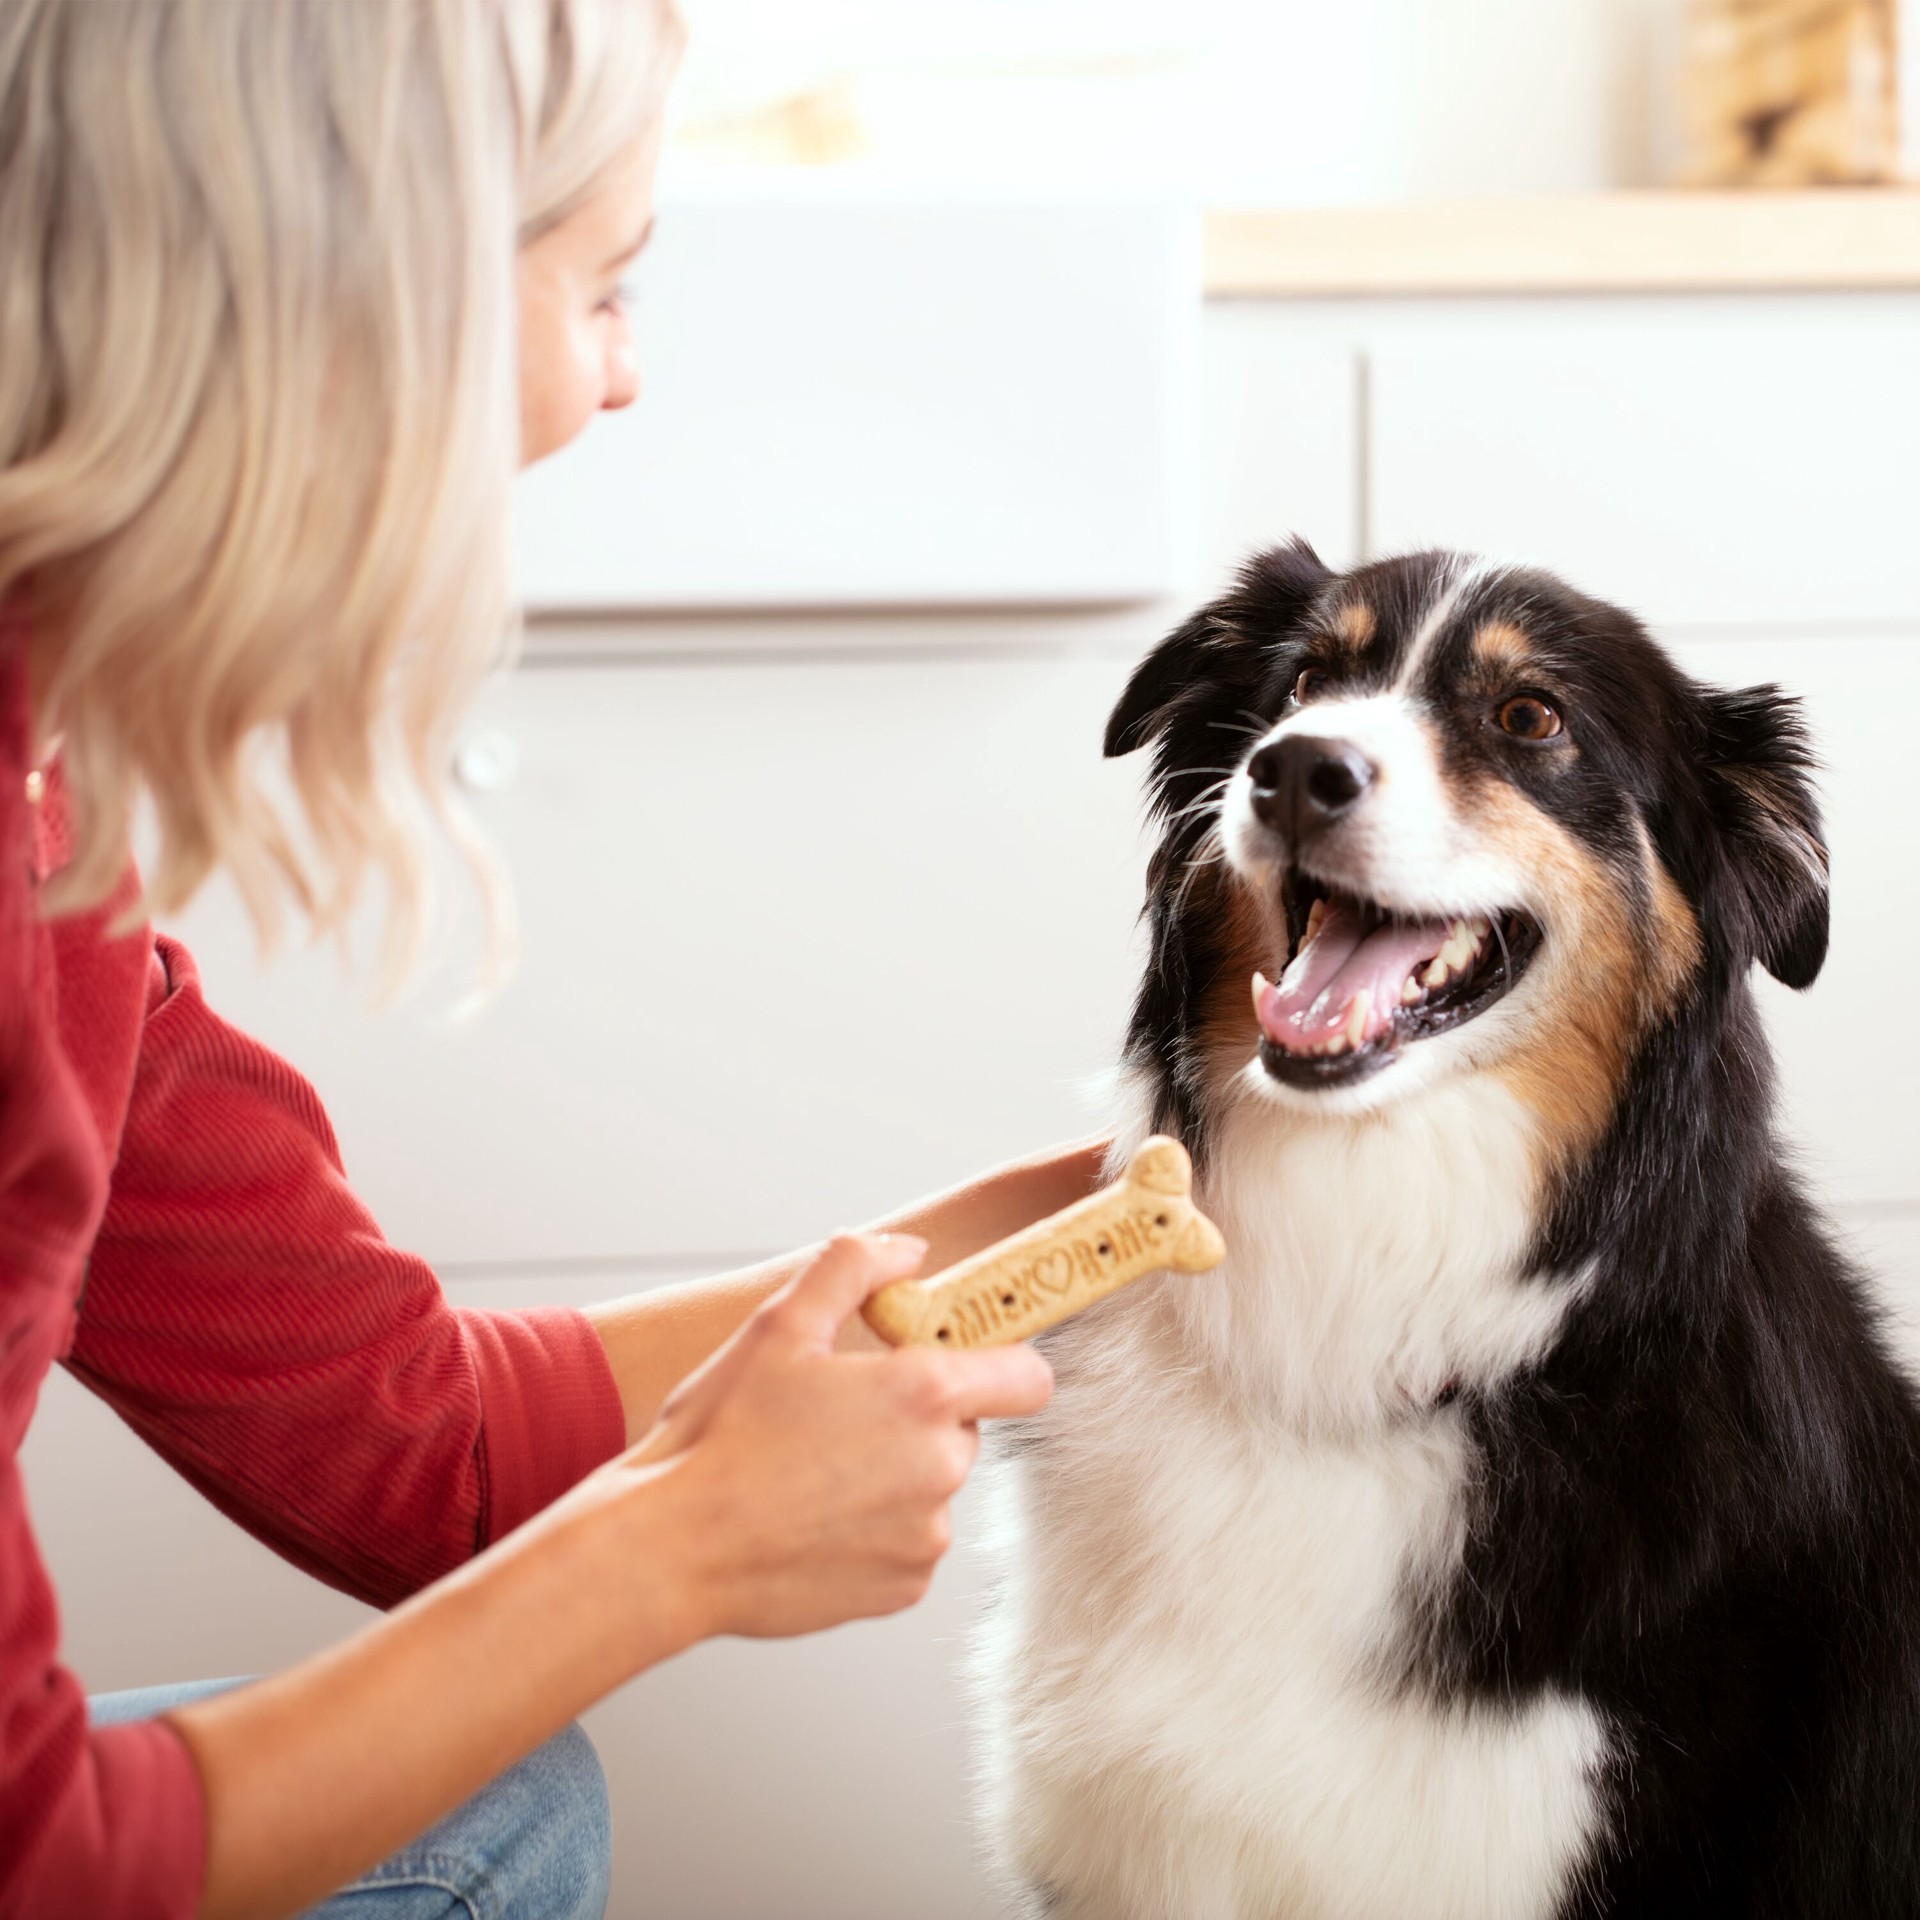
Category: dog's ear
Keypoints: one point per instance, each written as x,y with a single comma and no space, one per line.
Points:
1218,649
1759,765
1158,681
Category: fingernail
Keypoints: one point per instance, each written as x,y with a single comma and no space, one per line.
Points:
906,1242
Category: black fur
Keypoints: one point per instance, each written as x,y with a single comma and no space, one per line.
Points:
1701,1512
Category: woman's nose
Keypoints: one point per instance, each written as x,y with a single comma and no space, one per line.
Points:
623,377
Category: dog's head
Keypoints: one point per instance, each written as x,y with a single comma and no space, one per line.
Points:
1433,817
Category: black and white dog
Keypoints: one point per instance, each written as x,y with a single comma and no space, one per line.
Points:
1526,1520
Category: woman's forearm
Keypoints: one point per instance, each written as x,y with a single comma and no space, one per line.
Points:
654,1340
316,1774
788,1487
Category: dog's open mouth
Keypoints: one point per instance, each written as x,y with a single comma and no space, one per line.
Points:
1363,982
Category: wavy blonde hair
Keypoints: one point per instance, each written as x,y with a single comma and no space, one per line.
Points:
259,404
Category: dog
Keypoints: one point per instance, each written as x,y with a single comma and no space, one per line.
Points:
1525,1521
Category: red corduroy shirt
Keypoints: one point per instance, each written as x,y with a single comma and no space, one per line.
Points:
176,1229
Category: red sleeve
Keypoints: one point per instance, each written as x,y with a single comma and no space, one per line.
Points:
244,1315
109,1823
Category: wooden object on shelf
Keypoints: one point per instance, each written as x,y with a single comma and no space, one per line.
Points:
1143,1224
1792,93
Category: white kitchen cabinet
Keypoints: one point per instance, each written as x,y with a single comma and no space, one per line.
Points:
1283,444
1709,464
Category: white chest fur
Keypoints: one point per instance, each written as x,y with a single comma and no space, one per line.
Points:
1193,1687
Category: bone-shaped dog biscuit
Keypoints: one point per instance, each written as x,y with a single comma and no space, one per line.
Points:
1145,1222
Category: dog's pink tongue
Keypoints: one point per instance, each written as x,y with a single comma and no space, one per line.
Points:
1352,954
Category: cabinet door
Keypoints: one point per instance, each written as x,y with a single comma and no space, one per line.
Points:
800,940
1850,1059
1729,464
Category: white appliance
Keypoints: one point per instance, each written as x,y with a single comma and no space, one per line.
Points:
887,403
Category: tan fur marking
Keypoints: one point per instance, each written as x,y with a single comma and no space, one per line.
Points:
1571,1075
1502,645
1355,626
1617,967
1675,946
1256,937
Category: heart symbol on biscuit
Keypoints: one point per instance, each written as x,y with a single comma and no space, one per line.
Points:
1053,1272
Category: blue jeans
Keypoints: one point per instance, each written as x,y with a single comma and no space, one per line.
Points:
535,1845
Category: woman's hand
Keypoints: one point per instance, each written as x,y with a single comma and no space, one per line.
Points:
657,1339
811,1485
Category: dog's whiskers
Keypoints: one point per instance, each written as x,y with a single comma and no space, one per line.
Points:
1209,851
1208,798
1506,956
1245,724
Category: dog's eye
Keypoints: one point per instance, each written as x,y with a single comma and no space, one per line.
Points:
1529,719
1312,680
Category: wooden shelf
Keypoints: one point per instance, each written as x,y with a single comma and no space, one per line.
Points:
1673,242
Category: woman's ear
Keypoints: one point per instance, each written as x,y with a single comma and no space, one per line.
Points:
1217,650
1759,764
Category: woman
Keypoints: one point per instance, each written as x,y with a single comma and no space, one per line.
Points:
259,273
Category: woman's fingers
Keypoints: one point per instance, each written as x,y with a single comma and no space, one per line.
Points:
993,1383
1002,1383
807,1312
985,1383
827,1476
831,1286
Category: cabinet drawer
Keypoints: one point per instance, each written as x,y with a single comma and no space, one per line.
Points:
799,941
1724,466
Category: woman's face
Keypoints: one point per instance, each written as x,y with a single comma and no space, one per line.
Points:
576,345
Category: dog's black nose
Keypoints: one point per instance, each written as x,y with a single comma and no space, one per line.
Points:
1302,784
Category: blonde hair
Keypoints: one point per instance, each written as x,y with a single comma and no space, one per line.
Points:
259,404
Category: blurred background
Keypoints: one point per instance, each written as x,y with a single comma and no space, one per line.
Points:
982,339
1292,101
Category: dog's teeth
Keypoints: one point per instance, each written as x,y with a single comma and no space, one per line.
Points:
1356,1029
1455,957
1462,947
1259,990
1411,990
1316,918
